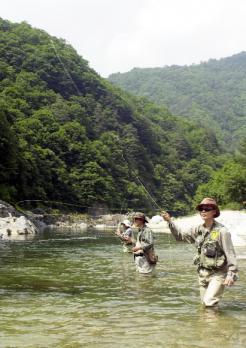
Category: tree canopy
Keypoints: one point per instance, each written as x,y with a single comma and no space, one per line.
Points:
68,135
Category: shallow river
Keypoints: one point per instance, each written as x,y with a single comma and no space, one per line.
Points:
78,289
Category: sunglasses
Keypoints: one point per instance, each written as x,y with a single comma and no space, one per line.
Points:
205,208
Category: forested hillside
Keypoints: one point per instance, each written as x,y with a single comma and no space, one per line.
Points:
68,135
212,93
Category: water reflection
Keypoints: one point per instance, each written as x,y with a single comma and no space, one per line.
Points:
79,290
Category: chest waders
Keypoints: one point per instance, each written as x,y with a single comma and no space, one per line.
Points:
209,253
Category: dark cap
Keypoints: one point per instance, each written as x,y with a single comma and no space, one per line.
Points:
141,216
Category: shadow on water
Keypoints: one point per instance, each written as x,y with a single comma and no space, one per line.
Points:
73,289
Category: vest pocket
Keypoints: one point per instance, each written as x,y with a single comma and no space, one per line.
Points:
212,262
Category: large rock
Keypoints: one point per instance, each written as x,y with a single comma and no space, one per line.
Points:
13,224
12,227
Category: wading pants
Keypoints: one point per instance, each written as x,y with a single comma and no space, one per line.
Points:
142,265
211,286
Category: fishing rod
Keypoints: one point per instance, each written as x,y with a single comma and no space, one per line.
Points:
147,193
64,67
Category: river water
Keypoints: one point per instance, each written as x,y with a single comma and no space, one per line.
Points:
77,289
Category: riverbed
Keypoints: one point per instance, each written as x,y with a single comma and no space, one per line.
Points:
78,289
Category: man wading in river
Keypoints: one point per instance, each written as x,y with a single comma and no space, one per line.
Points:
216,259
144,256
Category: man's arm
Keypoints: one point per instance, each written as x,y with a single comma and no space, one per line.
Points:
188,236
230,257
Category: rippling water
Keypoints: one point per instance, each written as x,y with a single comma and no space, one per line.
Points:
78,289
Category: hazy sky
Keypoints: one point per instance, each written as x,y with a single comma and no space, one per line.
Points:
118,35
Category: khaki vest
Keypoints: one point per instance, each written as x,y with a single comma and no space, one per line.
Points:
209,253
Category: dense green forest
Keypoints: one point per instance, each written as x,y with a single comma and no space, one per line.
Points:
68,135
228,184
212,94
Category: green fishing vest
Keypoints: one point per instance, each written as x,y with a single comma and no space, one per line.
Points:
209,253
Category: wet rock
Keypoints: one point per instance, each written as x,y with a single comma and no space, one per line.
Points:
15,226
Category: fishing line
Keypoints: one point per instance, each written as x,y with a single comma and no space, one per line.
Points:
64,67
151,197
78,91
43,201
137,177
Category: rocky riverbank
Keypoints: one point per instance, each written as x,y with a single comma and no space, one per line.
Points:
16,225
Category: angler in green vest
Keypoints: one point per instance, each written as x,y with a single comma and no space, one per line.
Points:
144,254
216,258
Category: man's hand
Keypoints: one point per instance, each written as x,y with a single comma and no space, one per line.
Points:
126,238
228,281
134,249
230,278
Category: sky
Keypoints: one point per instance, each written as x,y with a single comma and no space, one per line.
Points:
118,35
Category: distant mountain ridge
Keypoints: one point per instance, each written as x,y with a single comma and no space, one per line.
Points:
212,93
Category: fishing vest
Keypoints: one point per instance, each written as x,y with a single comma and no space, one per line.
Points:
209,253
